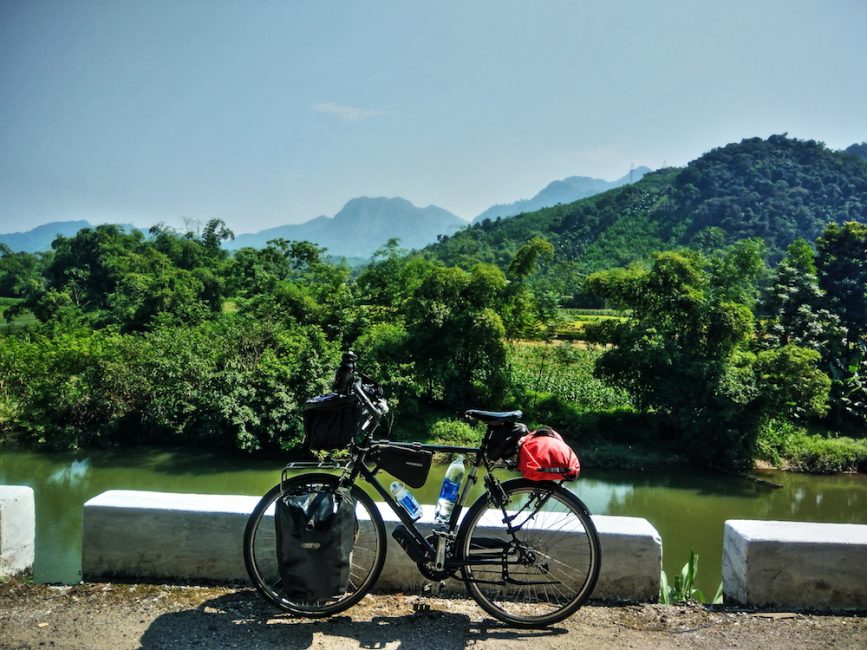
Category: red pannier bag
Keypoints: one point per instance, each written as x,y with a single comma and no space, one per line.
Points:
544,456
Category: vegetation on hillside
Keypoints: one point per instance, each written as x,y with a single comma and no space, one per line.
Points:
776,189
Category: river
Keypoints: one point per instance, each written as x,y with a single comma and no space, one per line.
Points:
688,509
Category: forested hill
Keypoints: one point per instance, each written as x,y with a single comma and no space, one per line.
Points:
776,189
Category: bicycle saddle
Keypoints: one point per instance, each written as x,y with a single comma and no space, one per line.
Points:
494,417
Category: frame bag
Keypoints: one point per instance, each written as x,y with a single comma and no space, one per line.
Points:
407,464
315,534
544,456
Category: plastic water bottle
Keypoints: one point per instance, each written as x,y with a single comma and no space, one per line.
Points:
404,497
449,492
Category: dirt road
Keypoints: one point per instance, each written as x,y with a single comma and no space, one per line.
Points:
121,616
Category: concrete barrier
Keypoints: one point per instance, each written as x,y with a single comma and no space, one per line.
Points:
194,537
795,565
17,530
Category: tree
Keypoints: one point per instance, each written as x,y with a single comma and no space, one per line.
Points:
684,352
20,273
792,305
110,277
842,265
455,337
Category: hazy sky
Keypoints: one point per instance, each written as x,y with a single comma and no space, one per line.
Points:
265,113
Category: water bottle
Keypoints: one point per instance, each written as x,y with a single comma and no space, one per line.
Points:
404,497
449,491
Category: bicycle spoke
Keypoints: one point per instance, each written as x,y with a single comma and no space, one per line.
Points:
552,555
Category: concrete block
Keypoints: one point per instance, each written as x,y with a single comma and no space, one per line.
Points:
199,537
164,536
795,565
17,530
631,559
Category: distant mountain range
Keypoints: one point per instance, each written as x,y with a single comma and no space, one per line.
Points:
567,190
363,225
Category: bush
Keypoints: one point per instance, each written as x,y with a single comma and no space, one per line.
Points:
233,382
787,445
456,432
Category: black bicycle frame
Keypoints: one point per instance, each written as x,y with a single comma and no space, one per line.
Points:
356,467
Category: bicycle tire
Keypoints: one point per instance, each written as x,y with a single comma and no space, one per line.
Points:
260,549
554,555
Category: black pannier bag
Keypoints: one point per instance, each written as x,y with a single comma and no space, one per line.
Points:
504,440
408,464
330,421
315,535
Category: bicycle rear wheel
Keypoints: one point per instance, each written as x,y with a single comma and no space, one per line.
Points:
539,565
260,548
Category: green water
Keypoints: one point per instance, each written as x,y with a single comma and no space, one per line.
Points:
688,510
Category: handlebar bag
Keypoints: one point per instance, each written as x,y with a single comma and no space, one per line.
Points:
315,535
330,421
407,464
544,456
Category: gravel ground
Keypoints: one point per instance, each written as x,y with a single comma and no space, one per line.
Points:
120,616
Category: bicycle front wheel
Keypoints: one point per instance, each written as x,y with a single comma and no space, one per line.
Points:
260,548
533,561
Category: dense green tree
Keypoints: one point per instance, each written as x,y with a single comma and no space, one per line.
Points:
20,273
455,337
291,282
842,265
684,352
111,277
792,307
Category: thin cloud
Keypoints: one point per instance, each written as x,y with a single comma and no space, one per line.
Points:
348,114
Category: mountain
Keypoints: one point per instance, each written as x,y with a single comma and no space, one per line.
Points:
859,150
566,190
363,225
40,238
776,189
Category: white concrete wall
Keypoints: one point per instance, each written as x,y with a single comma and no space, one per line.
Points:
17,529
164,536
795,565
631,558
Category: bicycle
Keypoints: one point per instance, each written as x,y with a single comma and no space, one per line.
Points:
527,551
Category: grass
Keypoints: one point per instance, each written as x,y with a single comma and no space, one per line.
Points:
573,321
17,323
564,372
797,448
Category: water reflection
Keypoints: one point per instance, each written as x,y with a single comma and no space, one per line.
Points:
75,473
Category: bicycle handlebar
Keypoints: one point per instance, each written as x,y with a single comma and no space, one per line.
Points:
344,377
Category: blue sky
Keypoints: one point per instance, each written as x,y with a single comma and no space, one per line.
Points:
265,113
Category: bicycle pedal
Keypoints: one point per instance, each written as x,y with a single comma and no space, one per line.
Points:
421,607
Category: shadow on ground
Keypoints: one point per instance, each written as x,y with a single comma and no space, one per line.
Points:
241,620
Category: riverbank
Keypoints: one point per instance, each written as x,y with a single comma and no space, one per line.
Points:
120,616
